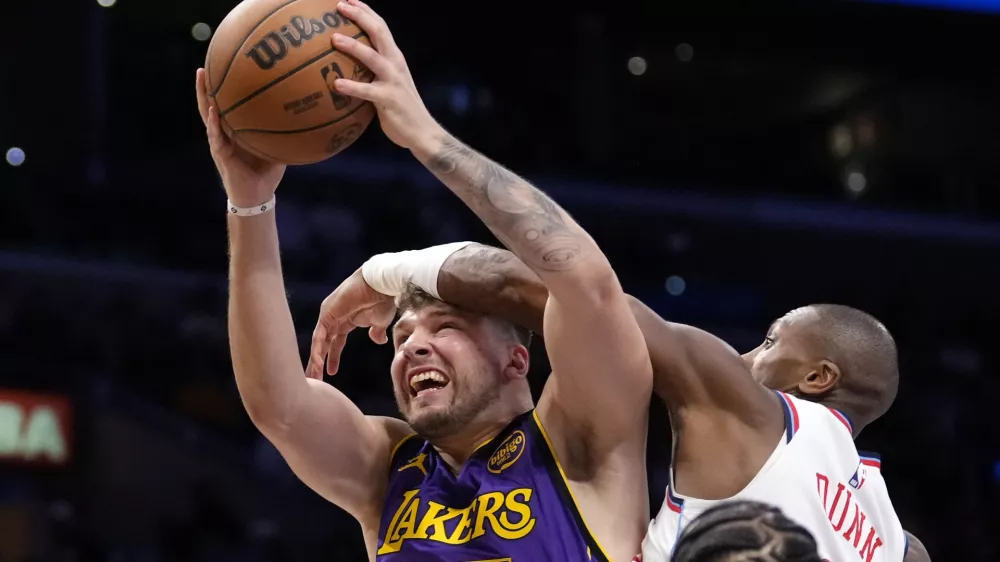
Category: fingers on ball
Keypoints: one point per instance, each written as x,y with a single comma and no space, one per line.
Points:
360,90
365,54
370,22
213,123
199,83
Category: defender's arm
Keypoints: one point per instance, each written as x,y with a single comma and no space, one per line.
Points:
692,368
916,551
493,281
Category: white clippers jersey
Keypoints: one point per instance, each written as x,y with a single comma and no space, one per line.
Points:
817,477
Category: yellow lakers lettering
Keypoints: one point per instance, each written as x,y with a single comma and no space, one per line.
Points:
508,516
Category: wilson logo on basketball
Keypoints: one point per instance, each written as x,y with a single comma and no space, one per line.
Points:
507,453
270,50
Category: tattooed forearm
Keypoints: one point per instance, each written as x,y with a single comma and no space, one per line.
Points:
493,281
522,217
486,269
480,260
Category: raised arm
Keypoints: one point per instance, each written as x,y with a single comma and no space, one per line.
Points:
593,342
594,345
327,441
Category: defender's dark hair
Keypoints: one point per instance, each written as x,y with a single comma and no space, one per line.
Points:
866,353
744,531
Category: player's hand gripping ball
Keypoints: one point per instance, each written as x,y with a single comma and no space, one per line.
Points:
402,114
271,70
248,180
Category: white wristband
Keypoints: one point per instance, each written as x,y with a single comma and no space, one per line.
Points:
390,273
251,211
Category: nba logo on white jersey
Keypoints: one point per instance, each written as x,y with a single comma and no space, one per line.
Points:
858,479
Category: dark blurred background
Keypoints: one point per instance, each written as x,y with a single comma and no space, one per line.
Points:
842,152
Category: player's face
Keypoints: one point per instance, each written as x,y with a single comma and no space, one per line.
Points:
784,358
448,368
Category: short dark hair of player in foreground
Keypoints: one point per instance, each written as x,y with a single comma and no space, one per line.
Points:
745,531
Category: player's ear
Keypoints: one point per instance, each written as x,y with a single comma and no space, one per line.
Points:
821,379
517,363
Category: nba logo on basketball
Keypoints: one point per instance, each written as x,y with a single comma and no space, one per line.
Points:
330,74
859,477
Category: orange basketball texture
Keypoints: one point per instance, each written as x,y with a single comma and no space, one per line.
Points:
270,70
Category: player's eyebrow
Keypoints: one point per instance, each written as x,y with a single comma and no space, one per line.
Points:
399,327
405,325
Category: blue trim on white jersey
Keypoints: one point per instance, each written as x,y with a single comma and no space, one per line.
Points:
790,417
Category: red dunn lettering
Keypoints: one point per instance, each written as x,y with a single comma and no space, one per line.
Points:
838,507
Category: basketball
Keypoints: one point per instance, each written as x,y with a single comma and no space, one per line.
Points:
270,71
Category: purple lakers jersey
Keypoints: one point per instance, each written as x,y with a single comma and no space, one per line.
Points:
509,503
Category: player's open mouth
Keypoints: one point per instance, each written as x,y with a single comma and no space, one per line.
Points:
426,382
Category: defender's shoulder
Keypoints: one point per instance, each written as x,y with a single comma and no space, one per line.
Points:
915,550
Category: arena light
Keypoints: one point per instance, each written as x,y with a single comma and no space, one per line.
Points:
684,52
855,182
841,141
15,156
201,31
459,99
676,285
106,3
637,66
982,6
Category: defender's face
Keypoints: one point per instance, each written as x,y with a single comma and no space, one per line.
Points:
784,357
447,368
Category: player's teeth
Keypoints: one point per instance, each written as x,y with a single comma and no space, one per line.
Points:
429,375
